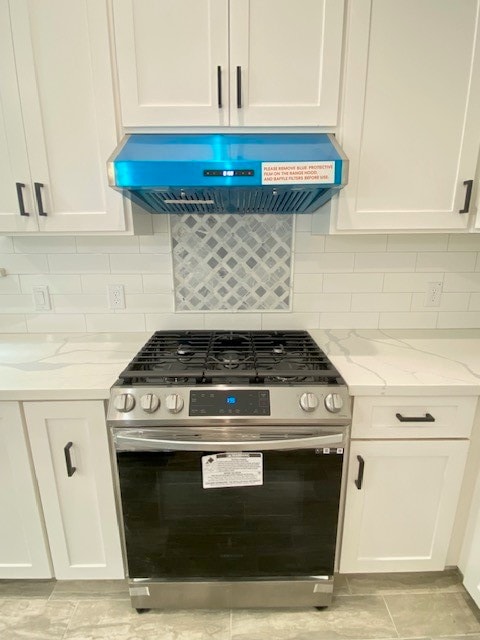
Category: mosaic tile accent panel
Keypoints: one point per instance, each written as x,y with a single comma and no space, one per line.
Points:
238,262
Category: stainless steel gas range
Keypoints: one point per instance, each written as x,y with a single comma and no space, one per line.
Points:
229,449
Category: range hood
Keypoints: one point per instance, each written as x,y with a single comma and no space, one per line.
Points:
228,173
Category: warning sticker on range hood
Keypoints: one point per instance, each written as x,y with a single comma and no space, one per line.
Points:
298,172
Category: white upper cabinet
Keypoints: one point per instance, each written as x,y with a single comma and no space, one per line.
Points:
411,114
221,62
58,117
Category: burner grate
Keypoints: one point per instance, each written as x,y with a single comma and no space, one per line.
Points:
230,357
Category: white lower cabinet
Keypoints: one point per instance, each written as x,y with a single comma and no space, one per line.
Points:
23,544
78,502
399,515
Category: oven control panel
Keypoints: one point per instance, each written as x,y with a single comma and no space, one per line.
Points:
240,402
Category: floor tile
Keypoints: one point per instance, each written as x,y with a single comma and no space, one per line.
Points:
35,619
386,583
115,619
347,617
26,588
90,589
431,614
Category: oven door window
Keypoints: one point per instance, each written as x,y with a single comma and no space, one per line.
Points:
176,529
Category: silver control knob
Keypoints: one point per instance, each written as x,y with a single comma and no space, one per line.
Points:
333,402
149,402
124,402
174,403
308,401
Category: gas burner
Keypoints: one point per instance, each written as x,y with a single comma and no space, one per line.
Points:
185,352
230,359
292,365
278,350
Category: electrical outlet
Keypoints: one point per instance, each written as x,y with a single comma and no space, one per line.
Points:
41,298
434,294
116,296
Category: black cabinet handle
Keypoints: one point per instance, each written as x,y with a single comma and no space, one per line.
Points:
239,87
361,467
21,204
219,86
38,194
426,418
468,195
68,460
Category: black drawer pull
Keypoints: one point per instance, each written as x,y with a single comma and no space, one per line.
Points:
361,467
68,460
21,204
38,194
239,87
219,86
426,418
468,195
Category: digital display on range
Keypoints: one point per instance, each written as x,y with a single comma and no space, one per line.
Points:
228,173
244,402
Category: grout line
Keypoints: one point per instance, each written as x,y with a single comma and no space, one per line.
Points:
231,624
71,617
391,618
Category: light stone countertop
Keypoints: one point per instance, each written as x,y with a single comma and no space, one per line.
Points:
405,362
372,362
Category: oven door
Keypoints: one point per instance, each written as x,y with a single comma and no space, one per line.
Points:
178,526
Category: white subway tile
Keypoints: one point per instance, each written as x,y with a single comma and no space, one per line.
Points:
115,322
16,303
458,320
55,283
160,223
446,261
321,302
306,243
381,262
44,244
80,303
418,242
407,320
158,243
55,323
157,283
149,302
77,263
474,304
10,284
381,301
15,264
12,323
183,321
409,281
141,263
348,320
448,302
352,282
6,245
323,262
98,283
303,222
106,244
355,243
461,282
290,321
228,320
307,282
464,242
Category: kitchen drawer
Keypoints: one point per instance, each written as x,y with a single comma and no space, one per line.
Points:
444,417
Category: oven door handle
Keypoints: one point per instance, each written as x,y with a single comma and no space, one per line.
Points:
132,442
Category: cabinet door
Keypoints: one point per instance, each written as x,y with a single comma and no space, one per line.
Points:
470,560
172,58
401,517
79,509
411,114
65,81
23,546
14,167
286,56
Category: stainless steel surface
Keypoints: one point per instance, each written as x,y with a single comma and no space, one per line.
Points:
333,402
284,403
238,439
315,591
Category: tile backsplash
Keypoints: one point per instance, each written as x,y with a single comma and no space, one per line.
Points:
354,281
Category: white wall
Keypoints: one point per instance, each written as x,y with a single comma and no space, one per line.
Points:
362,281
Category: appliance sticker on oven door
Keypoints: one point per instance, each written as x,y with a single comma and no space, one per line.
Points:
232,470
298,172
